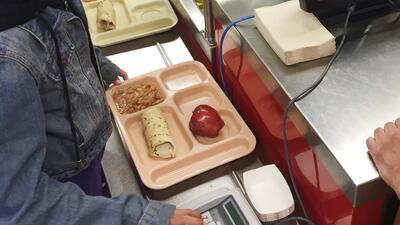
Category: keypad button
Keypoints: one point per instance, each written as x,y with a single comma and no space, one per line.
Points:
207,218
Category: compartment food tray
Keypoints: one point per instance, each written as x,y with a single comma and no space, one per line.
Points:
134,19
184,86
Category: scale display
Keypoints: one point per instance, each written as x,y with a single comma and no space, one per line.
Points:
223,211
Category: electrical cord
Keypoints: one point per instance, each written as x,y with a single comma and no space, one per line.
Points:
222,76
295,218
397,8
302,95
396,20
299,97
394,4
221,63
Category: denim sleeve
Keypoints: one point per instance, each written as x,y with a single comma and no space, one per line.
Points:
109,71
29,196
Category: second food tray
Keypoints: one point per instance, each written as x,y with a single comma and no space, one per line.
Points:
134,19
183,87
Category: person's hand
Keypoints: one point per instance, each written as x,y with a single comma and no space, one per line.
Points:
385,151
121,74
186,217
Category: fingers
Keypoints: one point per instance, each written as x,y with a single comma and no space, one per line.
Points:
117,81
385,152
187,212
390,128
379,133
186,220
382,135
186,217
123,74
397,122
371,145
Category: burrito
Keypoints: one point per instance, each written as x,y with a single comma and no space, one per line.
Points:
106,15
157,134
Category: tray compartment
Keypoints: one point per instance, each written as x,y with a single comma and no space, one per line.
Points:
200,161
135,132
231,128
183,77
144,80
150,10
188,99
121,12
126,33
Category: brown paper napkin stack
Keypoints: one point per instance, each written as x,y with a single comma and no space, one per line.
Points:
296,36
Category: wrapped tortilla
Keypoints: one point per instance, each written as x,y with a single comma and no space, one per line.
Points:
106,15
157,134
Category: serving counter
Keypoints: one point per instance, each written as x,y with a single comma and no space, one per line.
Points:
328,129
139,57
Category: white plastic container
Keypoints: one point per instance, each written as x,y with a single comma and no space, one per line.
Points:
269,193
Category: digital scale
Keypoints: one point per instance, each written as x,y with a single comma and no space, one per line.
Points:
223,206
265,188
223,211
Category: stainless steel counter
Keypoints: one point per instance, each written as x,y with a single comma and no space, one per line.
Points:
138,57
359,93
142,56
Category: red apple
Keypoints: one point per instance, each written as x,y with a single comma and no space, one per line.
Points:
205,121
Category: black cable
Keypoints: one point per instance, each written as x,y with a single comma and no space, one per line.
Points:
302,95
394,4
308,90
65,87
396,20
295,218
397,8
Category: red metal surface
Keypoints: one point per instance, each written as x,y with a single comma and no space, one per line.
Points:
323,198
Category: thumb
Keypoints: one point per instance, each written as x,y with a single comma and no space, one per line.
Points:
117,81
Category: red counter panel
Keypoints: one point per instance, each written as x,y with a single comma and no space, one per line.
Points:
323,198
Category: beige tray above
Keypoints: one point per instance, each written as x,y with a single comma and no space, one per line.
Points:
134,19
184,86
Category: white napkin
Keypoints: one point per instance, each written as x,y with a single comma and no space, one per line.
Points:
295,35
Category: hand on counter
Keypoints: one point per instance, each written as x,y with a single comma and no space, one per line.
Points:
186,217
385,151
121,74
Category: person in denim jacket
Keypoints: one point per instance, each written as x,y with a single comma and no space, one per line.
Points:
54,123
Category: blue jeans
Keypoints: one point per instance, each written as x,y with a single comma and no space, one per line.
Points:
89,180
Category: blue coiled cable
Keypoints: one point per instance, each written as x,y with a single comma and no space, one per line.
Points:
221,63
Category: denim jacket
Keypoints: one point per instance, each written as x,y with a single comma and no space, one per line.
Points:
36,143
